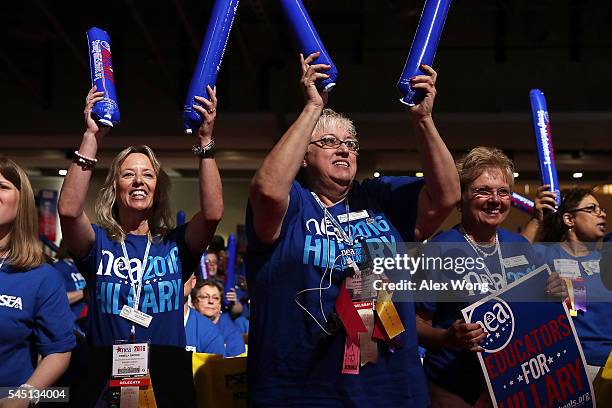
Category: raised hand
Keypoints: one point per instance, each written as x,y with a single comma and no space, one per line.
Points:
427,84
91,125
310,74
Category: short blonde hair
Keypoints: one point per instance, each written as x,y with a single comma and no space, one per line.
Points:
106,204
24,248
330,118
480,159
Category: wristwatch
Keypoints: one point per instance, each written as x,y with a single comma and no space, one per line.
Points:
204,152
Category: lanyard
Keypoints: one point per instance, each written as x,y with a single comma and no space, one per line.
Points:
327,216
139,272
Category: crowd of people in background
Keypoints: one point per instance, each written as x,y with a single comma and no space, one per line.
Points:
286,320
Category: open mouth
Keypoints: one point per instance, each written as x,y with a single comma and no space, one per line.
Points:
341,163
491,211
138,194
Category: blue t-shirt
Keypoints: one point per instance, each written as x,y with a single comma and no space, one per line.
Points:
455,369
109,284
242,323
34,319
594,327
73,281
291,360
202,335
234,344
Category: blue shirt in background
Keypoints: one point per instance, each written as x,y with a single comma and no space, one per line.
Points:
34,319
202,336
594,327
73,281
234,344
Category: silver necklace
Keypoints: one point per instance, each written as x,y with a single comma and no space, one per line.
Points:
479,248
479,251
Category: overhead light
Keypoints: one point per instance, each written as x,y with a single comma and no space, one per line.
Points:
376,174
62,172
419,174
515,174
577,175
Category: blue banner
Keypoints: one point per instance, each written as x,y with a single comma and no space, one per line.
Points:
532,356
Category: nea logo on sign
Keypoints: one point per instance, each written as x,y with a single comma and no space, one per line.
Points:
496,317
11,301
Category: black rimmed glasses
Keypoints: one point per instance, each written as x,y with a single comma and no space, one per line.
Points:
332,142
591,209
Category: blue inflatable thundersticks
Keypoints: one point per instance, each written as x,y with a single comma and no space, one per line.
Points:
105,111
522,203
309,41
423,49
180,218
230,278
209,61
546,155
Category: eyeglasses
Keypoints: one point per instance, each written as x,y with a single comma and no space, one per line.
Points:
591,209
206,298
332,142
486,193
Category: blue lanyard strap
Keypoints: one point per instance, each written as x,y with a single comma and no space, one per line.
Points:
328,217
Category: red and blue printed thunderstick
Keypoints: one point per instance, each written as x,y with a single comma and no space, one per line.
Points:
522,203
423,49
546,154
105,111
209,61
309,41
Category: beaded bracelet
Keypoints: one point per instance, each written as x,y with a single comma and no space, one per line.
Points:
86,163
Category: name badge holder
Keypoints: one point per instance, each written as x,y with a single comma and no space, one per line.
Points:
132,313
367,315
130,384
379,319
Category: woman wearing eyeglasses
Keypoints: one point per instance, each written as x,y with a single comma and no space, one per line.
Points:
303,236
206,298
570,237
499,258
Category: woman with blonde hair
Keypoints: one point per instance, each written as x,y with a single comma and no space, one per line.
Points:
34,315
135,262
500,257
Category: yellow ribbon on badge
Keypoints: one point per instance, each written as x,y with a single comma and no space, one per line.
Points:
385,309
570,291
